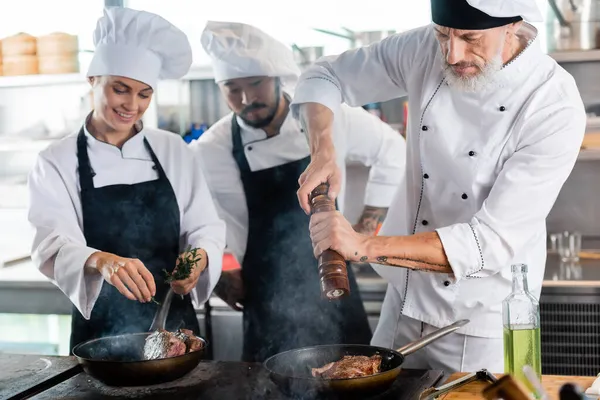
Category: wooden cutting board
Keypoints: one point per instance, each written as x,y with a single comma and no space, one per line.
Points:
551,383
28,374
591,141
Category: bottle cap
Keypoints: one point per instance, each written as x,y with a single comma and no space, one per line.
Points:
519,268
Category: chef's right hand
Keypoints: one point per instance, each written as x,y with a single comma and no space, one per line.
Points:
131,278
231,288
322,169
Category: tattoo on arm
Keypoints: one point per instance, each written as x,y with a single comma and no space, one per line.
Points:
409,263
370,219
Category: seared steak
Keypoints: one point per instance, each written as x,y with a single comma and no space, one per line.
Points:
164,344
349,367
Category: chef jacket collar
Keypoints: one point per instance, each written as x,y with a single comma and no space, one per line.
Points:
133,148
525,62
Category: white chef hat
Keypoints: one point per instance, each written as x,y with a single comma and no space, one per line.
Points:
240,51
139,45
483,14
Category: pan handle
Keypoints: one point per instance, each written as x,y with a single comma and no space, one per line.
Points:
432,337
160,319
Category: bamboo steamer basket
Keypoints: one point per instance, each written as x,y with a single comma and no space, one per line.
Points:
57,44
20,65
21,44
59,64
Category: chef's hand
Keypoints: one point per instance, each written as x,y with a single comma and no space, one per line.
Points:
321,169
231,288
185,286
330,230
129,275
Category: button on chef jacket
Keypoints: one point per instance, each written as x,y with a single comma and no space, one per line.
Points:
383,149
483,169
59,246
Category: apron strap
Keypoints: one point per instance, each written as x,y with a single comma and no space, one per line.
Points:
157,164
238,148
86,176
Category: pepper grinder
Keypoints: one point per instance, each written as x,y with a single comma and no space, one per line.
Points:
333,274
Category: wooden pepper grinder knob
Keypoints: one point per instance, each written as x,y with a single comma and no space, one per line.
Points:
332,266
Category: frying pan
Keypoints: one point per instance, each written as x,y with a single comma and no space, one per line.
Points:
291,370
118,360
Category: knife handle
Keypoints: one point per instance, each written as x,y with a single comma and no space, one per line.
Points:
333,274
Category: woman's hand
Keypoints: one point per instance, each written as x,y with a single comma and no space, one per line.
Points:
129,275
184,286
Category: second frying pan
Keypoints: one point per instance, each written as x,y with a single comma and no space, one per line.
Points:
291,370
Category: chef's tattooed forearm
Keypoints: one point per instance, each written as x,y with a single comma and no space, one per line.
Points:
410,263
370,220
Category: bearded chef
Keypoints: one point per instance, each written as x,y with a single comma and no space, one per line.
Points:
114,204
495,129
253,158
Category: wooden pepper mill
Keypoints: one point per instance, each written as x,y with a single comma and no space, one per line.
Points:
332,266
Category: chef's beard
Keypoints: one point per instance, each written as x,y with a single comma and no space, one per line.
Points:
479,82
264,122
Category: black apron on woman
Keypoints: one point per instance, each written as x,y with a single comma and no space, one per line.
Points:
133,221
283,308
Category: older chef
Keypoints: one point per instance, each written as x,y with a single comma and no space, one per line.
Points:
495,129
114,204
253,158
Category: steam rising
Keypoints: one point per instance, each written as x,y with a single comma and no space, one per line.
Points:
293,298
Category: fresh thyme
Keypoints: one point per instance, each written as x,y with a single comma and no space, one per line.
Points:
184,267
186,262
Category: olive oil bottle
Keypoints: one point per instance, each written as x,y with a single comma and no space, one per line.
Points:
522,339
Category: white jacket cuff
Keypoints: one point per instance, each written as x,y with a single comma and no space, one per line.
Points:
210,276
463,249
380,194
80,283
316,89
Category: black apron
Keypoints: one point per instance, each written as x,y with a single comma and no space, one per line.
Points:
283,308
133,221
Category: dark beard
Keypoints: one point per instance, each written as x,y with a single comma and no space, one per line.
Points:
261,123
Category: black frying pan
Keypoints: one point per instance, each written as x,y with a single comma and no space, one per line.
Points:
119,360
291,370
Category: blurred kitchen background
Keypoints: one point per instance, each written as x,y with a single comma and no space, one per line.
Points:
46,48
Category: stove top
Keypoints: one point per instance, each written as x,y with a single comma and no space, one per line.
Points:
210,380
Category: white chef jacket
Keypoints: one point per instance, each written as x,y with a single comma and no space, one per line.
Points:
383,149
483,169
59,247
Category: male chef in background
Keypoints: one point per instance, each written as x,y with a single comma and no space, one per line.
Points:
495,129
253,159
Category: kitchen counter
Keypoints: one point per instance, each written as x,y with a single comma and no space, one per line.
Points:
61,377
551,383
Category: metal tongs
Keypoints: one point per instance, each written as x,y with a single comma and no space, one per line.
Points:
434,393
160,319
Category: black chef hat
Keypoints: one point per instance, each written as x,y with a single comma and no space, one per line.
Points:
459,14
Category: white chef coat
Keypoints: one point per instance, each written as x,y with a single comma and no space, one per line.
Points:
59,247
383,149
483,169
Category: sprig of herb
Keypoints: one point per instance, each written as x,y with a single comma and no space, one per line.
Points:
152,299
186,263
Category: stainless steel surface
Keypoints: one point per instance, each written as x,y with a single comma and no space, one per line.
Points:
573,25
434,393
160,319
428,339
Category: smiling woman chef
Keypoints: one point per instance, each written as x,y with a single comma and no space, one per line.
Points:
117,202
495,129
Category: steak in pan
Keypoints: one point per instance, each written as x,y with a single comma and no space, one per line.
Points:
349,367
165,344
